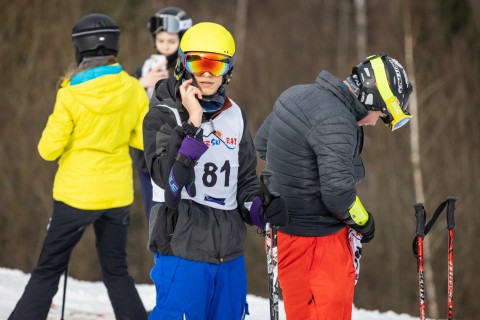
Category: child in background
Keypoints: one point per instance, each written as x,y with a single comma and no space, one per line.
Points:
167,27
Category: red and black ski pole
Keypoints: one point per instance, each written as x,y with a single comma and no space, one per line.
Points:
450,228
422,231
420,216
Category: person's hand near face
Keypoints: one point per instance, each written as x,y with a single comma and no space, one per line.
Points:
207,85
372,118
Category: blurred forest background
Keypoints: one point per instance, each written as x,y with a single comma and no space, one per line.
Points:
279,43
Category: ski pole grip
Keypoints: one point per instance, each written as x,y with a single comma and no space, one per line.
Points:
450,213
420,216
264,184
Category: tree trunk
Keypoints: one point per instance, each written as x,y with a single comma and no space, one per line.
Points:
416,162
240,27
343,32
361,24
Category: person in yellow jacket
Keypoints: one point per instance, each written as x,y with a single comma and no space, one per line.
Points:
98,114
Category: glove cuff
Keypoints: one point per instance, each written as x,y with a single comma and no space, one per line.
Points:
192,148
358,213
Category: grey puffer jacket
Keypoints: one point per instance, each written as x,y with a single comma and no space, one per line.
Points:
312,143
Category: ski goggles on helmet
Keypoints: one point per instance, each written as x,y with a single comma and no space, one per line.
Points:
387,103
200,62
168,23
396,116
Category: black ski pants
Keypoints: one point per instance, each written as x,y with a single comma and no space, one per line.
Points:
65,230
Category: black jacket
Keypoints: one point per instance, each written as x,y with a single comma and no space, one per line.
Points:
312,143
201,232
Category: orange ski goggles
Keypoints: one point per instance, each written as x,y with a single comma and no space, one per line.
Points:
200,62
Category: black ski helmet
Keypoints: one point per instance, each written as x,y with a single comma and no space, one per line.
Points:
384,86
95,35
171,20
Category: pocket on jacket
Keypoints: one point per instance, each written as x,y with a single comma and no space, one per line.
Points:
161,226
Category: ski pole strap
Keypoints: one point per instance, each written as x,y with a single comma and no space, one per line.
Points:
430,223
435,216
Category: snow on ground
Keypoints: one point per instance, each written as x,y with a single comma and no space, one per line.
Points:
88,301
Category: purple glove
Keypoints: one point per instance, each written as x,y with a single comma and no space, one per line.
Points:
257,214
192,148
275,213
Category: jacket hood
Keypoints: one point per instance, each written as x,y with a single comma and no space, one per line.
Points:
336,86
167,89
95,88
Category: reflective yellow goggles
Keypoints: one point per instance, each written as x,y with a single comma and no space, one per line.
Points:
398,117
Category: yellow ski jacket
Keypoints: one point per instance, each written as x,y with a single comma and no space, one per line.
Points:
98,114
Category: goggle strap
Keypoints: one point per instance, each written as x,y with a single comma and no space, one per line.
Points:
169,23
95,31
185,24
387,95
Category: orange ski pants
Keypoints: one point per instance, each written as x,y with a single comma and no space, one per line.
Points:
317,276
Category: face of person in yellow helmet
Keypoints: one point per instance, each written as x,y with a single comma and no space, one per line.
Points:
208,83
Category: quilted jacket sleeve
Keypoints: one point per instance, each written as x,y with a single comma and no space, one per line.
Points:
333,141
261,138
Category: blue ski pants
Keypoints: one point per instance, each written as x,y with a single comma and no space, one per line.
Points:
194,290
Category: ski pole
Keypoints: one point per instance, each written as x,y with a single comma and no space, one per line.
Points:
450,228
272,253
420,217
64,291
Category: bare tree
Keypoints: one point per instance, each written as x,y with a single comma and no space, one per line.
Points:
416,158
343,34
361,24
241,27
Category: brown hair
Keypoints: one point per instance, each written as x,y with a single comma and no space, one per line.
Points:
87,64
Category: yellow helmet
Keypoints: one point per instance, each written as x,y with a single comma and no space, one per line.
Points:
206,37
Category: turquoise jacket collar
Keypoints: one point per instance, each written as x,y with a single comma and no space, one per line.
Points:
94,73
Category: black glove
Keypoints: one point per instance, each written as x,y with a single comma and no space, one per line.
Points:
275,212
180,176
368,230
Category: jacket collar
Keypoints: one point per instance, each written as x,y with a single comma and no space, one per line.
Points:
336,86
